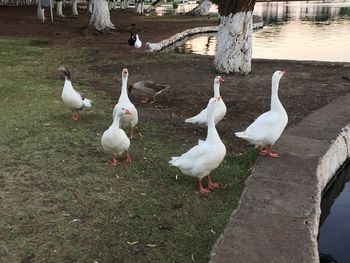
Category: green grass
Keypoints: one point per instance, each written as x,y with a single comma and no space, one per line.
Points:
60,202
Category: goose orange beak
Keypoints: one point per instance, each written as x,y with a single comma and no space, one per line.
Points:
127,112
221,79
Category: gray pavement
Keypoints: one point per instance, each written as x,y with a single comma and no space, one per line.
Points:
278,215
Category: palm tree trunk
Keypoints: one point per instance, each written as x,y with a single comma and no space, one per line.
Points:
234,44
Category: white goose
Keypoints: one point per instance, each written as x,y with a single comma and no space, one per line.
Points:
138,42
153,46
73,99
204,157
114,140
268,127
131,119
220,110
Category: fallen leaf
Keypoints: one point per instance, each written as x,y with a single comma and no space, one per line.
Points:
151,245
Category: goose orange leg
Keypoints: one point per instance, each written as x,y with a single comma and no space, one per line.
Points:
75,116
268,152
154,100
145,100
113,161
211,184
201,188
127,157
132,133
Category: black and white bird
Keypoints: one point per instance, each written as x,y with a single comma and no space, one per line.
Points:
74,100
132,40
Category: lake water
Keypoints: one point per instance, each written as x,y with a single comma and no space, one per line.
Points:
334,235
310,30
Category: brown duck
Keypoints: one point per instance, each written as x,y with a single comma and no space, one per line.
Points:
149,89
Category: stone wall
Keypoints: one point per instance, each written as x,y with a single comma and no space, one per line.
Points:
277,219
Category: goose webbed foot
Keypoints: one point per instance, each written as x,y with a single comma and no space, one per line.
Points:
154,100
75,116
145,100
268,152
127,158
201,188
113,161
211,184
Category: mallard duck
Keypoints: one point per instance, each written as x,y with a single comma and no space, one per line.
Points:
114,140
206,156
220,110
149,88
74,100
268,127
129,120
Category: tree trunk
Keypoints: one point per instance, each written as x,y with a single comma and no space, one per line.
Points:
91,6
75,7
41,12
100,17
140,6
202,9
59,9
234,41
151,6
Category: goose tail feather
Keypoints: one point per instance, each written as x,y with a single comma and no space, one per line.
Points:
87,103
242,135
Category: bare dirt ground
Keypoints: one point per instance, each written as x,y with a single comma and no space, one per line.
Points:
306,87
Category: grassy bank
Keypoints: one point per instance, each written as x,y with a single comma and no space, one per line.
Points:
59,200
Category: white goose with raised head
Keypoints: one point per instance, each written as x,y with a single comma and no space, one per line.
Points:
114,140
206,156
268,127
220,110
129,120
74,100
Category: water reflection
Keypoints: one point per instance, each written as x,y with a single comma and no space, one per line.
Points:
311,30
274,12
169,10
203,45
333,242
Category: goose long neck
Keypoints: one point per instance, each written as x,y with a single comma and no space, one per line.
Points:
116,121
216,89
67,85
124,87
212,134
67,74
275,102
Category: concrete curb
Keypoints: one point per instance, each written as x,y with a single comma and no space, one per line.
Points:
194,31
277,219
